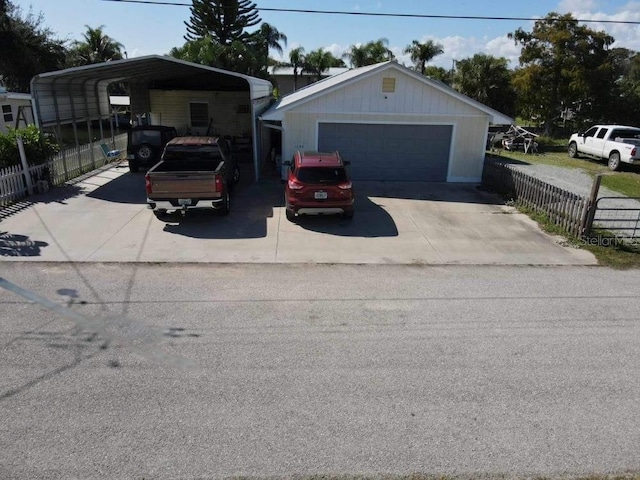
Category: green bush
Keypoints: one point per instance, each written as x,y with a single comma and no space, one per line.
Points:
37,146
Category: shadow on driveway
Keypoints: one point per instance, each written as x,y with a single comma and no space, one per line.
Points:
19,246
127,188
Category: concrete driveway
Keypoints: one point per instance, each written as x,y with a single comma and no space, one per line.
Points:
103,218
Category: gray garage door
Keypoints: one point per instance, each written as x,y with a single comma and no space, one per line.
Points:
390,152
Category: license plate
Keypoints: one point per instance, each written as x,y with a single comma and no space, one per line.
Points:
184,201
320,195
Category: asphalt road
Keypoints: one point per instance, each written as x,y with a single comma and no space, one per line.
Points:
320,369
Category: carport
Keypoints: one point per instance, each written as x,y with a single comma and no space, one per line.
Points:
194,98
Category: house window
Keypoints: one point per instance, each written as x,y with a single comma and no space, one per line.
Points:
388,85
199,113
7,114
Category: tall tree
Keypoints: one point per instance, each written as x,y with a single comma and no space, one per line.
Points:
422,53
296,60
563,65
28,47
223,20
486,79
96,47
265,38
369,53
319,61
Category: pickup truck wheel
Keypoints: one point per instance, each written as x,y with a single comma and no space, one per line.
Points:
348,215
573,150
226,206
161,214
614,161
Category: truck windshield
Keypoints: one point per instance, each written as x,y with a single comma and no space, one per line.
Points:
197,152
324,175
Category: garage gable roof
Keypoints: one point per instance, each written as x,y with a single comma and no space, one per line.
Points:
315,90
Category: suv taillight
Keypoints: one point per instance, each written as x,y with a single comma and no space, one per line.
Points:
293,185
345,186
147,184
633,152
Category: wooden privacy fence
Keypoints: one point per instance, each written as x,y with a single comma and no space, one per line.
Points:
565,209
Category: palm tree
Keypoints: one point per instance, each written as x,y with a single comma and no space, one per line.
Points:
318,61
269,37
296,59
369,53
96,47
421,53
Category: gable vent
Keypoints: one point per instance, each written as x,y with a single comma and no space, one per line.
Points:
388,85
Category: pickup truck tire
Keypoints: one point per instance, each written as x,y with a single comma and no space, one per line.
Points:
348,215
573,150
161,214
226,205
614,161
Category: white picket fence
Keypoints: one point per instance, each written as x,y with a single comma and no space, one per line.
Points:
13,184
76,161
66,165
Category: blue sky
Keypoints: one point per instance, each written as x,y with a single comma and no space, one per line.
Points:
155,29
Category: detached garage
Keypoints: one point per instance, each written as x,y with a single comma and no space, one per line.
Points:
390,122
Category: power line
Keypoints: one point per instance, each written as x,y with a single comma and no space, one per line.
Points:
377,14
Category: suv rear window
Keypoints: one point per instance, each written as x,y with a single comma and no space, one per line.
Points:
322,175
153,137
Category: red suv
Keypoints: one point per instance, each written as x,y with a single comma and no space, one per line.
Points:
318,184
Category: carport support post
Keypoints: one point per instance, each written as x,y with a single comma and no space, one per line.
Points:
25,165
593,202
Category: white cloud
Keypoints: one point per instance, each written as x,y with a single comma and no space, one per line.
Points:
626,35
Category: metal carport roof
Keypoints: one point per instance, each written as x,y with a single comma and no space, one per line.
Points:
80,93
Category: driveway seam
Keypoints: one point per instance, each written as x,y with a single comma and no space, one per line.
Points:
114,234
275,257
425,237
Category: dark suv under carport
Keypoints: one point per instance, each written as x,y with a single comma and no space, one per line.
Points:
145,144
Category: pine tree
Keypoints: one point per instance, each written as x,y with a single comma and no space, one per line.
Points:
224,21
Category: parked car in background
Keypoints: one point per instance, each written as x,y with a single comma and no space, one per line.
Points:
617,144
318,184
145,144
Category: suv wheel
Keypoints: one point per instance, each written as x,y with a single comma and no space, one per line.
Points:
133,167
290,215
145,152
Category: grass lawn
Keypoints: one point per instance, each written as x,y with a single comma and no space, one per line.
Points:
626,181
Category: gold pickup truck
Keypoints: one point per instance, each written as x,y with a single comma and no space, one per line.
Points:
194,173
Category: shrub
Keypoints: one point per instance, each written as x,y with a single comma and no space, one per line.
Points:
37,146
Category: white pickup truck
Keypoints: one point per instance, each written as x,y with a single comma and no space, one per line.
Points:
615,143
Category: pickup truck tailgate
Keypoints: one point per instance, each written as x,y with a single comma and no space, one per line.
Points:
183,185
